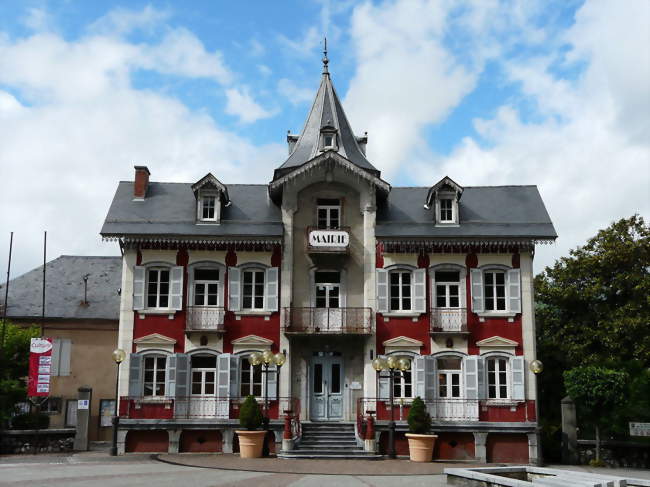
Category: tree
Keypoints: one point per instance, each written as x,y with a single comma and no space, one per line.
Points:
14,366
418,419
596,390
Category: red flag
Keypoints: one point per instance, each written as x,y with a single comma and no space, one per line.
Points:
40,367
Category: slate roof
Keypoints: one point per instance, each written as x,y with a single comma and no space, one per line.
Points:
64,289
170,209
485,211
326,111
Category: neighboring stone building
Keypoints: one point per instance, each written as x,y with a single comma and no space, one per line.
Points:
333,267
82,306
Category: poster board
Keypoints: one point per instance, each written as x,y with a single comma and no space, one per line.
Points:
40,367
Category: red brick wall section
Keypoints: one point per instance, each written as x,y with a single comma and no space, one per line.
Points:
507,448
454,446
201,441
154,441
395,327
524,411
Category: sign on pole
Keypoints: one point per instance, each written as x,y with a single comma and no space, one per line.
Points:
639,429
40,367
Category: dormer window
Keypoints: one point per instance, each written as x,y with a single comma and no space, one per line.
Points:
207,210
443,198
328,138
211,197
446,210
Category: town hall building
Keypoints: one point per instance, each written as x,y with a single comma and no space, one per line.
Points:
332,267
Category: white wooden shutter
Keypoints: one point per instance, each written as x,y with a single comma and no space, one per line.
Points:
419,288
176,288
514,290
182,375
432,292
135,375
471,377
418,375
480,377
56,357
272,383
384,386
234,375
223,385
65,356
382,291
139,273
477,290
234,289
170,376
272,289
430,378
518,373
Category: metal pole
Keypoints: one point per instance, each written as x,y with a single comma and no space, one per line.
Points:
44,266
116,418
391,426
4,308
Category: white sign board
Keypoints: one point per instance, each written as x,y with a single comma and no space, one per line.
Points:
639,429
83,404
329,238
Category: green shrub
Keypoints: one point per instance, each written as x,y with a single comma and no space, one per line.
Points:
29,421
250,415
418,419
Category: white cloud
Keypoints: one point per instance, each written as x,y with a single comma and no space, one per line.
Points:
304,46
294,93
121,21
38,19
264,69
240,103
256,48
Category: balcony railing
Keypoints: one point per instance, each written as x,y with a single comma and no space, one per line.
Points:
441,410
205,318
448,320
333,321
328,240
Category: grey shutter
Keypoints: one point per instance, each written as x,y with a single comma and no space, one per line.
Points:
64,356
419,287
234,289
176,288
382,290
272,383
480,377
234,375
182,375
514,290
384,386
432,292
56,356
223,386
517,365
430,378
477,290
170,376
471,377
418,375
135,375
272,289
138,287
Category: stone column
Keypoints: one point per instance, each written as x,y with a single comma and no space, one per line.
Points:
84,404
174,440
534,449
286,292
227,439
121,441
480,447
569,432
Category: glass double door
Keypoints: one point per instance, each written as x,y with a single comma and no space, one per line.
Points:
326,388
328,315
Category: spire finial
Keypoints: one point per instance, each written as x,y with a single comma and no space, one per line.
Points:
325,60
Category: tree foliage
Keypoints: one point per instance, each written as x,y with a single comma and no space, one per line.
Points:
418,418
595,390
250,415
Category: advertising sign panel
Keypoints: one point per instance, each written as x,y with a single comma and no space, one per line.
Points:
40,363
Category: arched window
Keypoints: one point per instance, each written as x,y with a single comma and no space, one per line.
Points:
496,289
204,375
251,379
155,374
498,384
450,377
401,289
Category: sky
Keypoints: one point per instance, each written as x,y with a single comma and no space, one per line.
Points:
489,92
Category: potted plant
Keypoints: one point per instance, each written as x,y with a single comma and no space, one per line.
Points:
251,440
420,440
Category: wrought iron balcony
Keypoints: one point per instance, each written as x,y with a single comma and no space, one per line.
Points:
440,410
332,321
448,320
208,319
328,240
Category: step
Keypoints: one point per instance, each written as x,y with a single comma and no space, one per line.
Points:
332,436
293,454
310,446
319,441
328,453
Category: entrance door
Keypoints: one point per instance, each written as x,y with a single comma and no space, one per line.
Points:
203,388
327,387
327,315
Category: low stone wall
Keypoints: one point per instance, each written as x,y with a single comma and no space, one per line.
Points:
36,441
617,454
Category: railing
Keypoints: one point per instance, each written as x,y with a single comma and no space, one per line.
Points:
204,318
327,240
328,320
203,407
441,410
448,320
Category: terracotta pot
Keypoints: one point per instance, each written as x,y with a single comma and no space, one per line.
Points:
421,447
250,443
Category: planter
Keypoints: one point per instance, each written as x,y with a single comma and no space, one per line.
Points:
250,443
421,447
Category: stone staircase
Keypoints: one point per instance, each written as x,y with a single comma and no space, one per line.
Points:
328,440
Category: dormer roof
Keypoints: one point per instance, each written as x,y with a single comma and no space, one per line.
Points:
445,183
210,182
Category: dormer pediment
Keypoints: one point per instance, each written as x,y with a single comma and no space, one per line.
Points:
154,341
443,197
210,196
402,344
251,342
496,343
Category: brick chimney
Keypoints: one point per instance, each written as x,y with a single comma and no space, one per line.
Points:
141,182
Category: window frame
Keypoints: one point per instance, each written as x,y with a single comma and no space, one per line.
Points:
155,370
253,296
497,385
494,271
202,195
399,381
459,283
449,372
191,291
158,268
328,217
449,210
251,384
323,136
400,271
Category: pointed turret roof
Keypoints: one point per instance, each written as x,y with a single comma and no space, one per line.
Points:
326,115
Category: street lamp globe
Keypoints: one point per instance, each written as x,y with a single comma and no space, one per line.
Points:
536,366
118,355
392,362
280,359
404,364
255,358
267,356
378,364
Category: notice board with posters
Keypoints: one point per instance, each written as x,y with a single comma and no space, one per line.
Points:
40,367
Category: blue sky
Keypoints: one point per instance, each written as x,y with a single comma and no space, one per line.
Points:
499,92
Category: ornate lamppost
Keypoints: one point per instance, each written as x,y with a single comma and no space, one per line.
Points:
537,367
393,366
118,357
